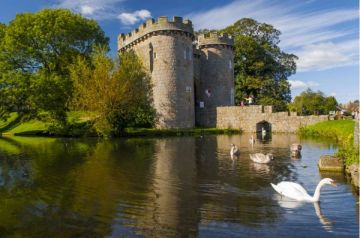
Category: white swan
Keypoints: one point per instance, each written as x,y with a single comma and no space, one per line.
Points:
252,140
263,132
234,150
295,150
261,158
297,192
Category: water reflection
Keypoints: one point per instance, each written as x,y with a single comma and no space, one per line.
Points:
292,204
169,187
174,210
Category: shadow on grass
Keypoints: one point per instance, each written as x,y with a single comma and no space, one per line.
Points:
14,123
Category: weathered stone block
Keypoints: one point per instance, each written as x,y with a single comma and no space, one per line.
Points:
331,163
354,172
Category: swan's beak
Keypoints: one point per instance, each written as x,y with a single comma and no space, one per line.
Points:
333,184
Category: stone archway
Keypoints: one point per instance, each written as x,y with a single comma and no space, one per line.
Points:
263,125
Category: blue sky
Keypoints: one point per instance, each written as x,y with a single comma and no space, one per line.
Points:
323,33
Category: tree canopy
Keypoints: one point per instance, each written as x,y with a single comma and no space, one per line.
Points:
313,103
119,93
261,67
36,50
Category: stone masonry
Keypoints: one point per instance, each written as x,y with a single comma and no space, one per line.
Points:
186,75
193,79
253,118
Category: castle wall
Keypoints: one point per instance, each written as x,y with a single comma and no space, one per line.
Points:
195,84
246,118
216,76
166,51
215,86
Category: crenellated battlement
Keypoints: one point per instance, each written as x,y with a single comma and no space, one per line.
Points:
183,70
214,39
177,24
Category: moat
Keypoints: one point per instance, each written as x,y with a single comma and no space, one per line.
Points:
167,187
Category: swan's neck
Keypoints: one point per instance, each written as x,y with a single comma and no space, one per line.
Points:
316,196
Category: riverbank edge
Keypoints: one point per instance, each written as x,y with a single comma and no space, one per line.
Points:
134,132
350,169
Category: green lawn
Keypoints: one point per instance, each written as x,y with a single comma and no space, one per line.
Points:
15,126
29,127
6,123
340,130
78,126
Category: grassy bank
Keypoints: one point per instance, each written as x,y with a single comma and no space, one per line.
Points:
340,130
79,124
177,132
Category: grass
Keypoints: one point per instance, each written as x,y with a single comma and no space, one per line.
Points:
15,126
79,124
30,127
340,130
6,123
177,132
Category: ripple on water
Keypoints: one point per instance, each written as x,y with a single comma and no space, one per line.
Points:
169,187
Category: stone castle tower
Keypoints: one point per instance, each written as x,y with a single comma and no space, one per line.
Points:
189,79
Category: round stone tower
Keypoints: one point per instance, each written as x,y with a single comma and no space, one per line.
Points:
165,48
215,86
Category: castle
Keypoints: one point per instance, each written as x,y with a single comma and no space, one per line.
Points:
191,76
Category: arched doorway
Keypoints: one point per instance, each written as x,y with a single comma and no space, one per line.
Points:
263,130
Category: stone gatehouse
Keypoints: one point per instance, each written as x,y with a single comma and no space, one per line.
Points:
191,75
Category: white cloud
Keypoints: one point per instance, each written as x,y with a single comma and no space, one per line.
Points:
315,36
103,10
298,84
87,10
327,55
131,18
143,14
97,9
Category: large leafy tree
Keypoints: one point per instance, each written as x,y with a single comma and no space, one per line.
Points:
35,52
261,67
119,94
2,30
313,103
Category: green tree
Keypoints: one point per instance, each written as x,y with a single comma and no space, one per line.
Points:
38,48
2,30
119,93
261,68
313,103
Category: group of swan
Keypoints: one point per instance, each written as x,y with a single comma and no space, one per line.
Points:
257,158
287,189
